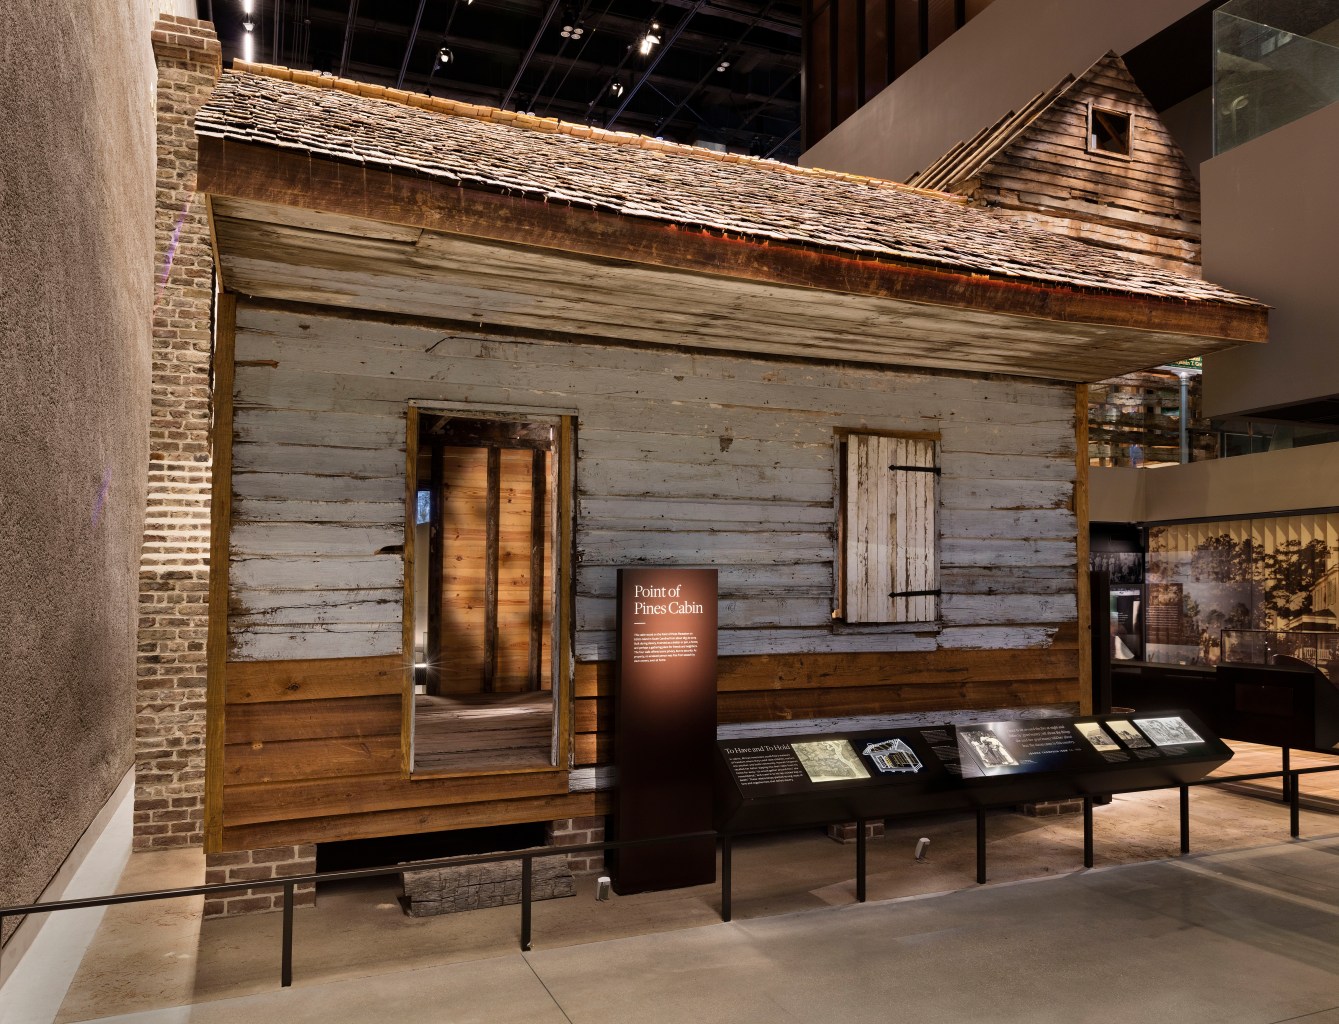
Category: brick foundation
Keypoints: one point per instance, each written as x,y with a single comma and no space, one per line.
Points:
174,562
1047,808
576,832
846,832
254,866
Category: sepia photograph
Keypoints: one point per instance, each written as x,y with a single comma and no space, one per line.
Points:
1097,736
829,761
1128,734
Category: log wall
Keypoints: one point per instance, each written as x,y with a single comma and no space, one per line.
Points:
682,459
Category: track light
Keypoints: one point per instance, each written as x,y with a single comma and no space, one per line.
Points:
445,56
616,88
248,24
723,65
650,40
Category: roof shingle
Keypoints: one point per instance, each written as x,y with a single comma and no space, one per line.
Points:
631,175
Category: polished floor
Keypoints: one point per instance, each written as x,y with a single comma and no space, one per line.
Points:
1244,931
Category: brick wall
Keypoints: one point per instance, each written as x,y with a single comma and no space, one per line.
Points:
174,563
575,832
255,866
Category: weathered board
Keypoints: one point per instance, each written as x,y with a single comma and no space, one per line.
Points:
682,458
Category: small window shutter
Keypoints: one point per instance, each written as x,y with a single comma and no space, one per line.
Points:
892,563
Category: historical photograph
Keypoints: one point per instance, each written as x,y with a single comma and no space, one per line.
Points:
987,748
1128,734
1097,736
1169,732
829,761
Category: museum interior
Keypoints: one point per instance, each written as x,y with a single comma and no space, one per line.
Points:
678,510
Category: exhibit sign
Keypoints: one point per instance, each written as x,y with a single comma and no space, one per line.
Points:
665,726
817,778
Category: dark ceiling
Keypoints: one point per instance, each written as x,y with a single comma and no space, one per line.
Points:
725,72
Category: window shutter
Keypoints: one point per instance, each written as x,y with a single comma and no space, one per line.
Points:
891,556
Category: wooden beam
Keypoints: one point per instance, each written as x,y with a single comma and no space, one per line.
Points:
436,554
492,554
538,533
408,617
264,174
220,518
1081,571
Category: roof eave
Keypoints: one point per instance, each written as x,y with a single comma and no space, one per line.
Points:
297,179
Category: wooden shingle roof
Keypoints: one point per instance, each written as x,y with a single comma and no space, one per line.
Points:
645,180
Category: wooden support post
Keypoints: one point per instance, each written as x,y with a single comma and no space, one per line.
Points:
538,532
1085,640
492,555
1287,774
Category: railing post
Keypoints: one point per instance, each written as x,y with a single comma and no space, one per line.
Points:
725,878
1087,831
1185,819
1295,805
525,904
980,846
1287,775
286,964
860,860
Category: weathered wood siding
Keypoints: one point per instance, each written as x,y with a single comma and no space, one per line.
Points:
1147,204
682,459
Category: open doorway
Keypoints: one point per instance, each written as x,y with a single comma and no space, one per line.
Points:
485,536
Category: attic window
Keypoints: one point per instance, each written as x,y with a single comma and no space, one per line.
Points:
1108,131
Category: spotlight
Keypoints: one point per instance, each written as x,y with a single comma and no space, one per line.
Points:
723,65
616,88
573,30
445,56
248,24
650,40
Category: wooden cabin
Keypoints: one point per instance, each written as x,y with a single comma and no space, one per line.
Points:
1089,158
469,363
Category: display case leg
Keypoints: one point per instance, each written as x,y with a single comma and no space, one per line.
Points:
1295,805
981,846
725,878
1185,820
1087,831
1287,774
860,853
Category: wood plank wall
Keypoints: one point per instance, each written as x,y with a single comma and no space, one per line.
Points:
683,459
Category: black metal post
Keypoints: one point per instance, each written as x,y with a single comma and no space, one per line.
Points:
525,904
1287,777
725,878
980,846
1087,831
1295,805
860,860
286,965
1185,819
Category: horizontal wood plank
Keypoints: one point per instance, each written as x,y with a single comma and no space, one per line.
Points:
250,682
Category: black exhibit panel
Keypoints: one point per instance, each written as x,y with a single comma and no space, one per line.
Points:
665,726
794,781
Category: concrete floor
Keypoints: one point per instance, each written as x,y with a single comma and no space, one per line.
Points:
1245,930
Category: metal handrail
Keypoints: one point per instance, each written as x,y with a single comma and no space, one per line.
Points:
527,856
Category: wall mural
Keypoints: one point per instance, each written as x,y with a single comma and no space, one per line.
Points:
1244,590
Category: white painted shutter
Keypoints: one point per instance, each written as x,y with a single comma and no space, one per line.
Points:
890,529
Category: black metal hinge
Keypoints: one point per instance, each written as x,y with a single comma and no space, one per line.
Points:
917,469
915,593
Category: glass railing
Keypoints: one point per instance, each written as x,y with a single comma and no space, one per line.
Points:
1265,646
1274,61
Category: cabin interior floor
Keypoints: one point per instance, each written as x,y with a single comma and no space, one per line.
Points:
482,732
1245,930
